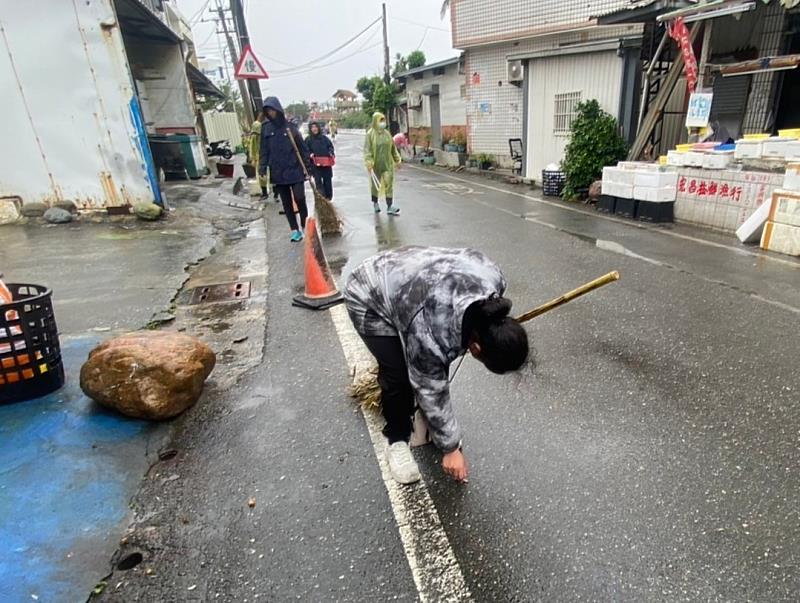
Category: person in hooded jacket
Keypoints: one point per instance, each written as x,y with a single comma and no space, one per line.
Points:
323,156
381,157
286,172
418,309
253,149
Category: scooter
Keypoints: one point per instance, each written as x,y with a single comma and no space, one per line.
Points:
221,148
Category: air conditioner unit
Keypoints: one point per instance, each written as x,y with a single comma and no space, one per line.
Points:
414,100
516,72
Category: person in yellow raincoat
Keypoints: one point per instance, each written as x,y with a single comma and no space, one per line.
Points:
253,149
381,157
333,128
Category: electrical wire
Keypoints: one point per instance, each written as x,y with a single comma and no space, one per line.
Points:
420,24
199,14
335,50
336,62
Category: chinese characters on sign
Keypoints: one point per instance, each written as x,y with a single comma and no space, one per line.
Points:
249,67
699,110
712,189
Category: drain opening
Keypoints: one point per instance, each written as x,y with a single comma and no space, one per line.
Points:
129,561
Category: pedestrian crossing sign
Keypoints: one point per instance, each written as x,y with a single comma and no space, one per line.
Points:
249,67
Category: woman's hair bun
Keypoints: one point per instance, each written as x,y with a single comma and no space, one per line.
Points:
496,309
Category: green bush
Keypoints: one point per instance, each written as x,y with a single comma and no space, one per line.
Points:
355,121
594,143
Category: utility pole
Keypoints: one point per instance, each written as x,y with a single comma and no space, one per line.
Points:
245,93
244,40
386,77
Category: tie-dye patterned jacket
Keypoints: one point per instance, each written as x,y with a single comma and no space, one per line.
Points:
420,294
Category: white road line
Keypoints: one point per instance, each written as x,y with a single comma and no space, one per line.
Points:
563,207
433,564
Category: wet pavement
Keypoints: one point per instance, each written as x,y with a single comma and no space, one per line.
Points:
649,452
68,468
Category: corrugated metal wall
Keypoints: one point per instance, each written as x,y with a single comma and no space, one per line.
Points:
67,107
495,107
477,22
222,126
596,76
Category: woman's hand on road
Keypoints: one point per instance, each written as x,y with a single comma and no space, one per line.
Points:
455,465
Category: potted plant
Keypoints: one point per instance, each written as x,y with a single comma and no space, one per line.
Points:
472,161
486,161
451,146
460,141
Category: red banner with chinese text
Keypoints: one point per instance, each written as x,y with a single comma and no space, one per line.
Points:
680,33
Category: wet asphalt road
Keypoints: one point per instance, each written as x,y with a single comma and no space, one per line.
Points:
652,453
649,454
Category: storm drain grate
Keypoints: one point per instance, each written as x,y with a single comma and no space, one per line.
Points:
221,292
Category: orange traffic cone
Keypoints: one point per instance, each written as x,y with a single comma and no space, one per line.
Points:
321,292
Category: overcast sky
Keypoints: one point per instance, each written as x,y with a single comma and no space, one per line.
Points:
290,33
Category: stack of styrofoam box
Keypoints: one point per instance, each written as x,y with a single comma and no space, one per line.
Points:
748,149
791,179
717,160
676,158
793,151
655,186
618,182
782,231
722,199
775,147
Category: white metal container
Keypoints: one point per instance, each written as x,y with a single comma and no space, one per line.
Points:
71,120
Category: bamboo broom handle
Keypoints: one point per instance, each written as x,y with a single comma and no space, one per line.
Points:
568,297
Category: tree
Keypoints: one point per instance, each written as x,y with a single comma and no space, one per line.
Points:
594,143
378,96
300,110
232,101
416,59
400,64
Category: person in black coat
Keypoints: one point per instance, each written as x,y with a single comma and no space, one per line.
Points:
286,172
323,156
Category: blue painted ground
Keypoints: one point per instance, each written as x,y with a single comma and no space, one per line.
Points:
68,469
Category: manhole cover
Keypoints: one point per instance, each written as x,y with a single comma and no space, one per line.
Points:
222,292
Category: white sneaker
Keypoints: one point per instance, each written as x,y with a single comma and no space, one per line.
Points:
402,465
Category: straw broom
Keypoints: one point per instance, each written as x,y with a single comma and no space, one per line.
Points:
329,221
366,390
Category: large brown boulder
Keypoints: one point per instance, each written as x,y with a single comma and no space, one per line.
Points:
148,375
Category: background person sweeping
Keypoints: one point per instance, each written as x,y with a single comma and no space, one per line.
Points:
417,310
381,157
323,156
253,149
285,170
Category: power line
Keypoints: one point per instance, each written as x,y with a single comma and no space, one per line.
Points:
336,62
335,50
420,24
199,14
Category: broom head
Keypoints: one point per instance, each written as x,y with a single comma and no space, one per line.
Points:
329,221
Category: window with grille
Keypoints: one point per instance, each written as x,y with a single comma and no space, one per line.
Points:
565,111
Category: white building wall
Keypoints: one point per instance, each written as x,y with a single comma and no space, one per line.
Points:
596,76
65,108
452,106
494,106
478,22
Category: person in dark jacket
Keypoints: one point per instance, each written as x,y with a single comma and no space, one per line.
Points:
286,172
323,156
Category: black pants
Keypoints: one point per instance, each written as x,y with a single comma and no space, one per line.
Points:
324,179
285,191
397,396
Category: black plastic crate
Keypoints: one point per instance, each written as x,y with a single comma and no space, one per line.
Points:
606,204
652,211
30,354
553,183
626,207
